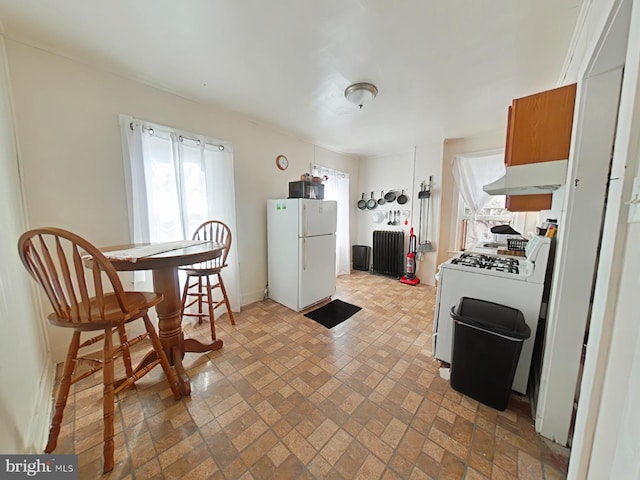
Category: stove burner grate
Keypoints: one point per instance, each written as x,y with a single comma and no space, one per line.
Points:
488,262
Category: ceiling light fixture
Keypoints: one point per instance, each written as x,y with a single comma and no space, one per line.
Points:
361,94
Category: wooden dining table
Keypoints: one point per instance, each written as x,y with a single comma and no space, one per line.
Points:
164,260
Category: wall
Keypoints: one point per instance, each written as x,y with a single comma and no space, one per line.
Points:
429,163
398,171
67,123
26,371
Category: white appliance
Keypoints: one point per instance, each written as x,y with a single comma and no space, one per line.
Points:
516,282
301,244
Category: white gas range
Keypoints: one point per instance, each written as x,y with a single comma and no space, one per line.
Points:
516,282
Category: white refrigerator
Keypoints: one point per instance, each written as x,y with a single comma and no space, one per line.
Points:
301,245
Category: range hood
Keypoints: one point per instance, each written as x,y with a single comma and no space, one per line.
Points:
530,179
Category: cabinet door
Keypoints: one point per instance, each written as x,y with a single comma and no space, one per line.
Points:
539,130
540,127
507,146
528,203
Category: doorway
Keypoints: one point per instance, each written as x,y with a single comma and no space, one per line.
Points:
336,187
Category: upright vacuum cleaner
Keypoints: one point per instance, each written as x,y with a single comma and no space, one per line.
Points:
410,277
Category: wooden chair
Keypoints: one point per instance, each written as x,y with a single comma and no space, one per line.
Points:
199,276
54,258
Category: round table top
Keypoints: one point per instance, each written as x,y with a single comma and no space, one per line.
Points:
170,259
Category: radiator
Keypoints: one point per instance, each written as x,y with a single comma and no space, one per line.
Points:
388,252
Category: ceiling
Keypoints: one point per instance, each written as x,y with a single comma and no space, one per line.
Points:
443,68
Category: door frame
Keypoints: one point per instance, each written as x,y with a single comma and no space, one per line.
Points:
570,312
595,435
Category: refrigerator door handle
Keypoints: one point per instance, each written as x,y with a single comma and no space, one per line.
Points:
304,254
306,219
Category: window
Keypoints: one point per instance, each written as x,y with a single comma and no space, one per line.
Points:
472,231
478,211
175,181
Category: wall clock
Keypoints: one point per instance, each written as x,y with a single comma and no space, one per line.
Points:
282,162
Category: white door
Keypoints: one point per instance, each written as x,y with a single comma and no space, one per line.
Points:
318,217
317,269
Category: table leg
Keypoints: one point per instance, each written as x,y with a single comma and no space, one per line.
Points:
183,379
193,345
165,281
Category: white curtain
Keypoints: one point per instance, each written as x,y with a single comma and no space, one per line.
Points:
336,187
472,171
175,181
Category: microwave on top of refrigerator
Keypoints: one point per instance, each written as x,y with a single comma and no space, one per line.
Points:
304,189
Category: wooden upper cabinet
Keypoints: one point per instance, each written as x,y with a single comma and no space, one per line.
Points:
528,203
540,125
539,130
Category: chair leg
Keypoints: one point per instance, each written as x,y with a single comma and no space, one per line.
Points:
184,295
108,402
210,304
63,392
226,299
200,300
126,353
164,362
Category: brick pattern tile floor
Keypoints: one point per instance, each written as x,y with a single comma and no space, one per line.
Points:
287,398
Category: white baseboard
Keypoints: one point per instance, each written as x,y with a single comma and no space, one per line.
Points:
38,430
247,298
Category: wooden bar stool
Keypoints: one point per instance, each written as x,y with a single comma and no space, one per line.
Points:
54,258
198,288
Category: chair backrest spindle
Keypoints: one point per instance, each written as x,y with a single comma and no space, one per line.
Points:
54,258
218,232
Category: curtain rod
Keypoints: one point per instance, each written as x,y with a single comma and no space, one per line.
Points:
181,138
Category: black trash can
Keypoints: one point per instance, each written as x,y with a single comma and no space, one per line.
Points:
487,341
360,255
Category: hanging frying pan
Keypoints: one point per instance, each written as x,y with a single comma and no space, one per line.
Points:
402,199
390,196
362,203
381,200
371,203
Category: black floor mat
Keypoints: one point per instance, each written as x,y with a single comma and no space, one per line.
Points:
333,313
